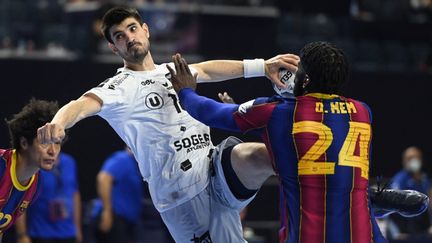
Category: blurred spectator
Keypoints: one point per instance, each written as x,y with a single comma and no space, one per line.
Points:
6,43
421,10
121,189
55,217
411,177
381,9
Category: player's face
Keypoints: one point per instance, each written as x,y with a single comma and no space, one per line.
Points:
130,40
43,156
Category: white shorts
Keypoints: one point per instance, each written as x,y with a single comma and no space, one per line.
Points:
213,214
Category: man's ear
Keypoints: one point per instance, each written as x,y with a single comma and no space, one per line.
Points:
24,143
146,29
306,81
113,48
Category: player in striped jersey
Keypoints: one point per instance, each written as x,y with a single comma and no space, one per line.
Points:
19,167
319,143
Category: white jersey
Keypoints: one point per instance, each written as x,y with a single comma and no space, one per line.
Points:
170,146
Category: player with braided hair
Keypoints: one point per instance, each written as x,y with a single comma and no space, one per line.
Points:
319,143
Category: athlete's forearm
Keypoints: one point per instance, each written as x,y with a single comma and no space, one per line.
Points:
76,110
208,111
218,70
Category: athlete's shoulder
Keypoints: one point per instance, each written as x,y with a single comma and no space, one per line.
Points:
360,106
357,102
272,102
118,79
67,159
117,157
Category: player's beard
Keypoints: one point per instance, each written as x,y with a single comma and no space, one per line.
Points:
137,53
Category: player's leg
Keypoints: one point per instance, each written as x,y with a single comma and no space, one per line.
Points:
238,171
191,220
252,165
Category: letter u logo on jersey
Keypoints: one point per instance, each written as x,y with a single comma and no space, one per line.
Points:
5,219
154,101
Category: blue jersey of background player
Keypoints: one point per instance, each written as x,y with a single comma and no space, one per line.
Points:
319,143
56,214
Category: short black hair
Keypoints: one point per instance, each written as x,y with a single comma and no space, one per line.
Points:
26,123
115,16
326,65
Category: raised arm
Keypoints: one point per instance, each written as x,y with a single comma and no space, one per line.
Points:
208,111
73,112
220,70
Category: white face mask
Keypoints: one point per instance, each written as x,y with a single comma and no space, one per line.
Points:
414,165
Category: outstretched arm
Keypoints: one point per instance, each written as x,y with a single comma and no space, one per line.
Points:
208,111
212,113
73,112
220,70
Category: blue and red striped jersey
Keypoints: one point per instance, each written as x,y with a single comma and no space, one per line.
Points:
14,197
320,148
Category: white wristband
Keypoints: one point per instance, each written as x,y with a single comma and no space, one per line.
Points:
253,68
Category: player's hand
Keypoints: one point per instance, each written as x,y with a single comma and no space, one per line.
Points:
107,220
284,61
51,133
182,77
225,98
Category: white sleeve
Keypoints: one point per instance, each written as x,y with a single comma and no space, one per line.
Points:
114,95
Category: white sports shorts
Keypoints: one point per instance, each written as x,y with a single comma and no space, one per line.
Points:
212,215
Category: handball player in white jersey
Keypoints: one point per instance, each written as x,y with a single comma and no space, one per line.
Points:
198,188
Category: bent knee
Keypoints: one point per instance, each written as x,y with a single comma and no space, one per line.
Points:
254,155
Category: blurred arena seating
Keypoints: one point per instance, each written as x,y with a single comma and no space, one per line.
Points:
389,44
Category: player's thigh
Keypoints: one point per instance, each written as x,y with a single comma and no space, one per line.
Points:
252,164
225,225
190,219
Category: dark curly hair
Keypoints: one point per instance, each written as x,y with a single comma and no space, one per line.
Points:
115,16
32,116
326,65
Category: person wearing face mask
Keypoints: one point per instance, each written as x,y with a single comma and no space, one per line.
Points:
411,177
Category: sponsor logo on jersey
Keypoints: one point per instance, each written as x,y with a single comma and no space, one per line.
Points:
186,165
147,82
154,101
192,143
114,82
117,81
205,238
168,76
103,83
24,205
167,85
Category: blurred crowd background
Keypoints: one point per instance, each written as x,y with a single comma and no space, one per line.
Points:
389,35
53,49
